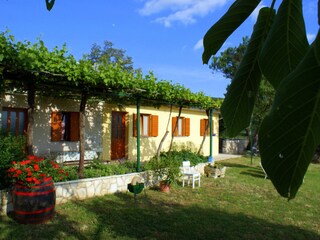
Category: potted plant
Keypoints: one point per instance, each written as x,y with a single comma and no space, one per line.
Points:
216,170
33,192
167,170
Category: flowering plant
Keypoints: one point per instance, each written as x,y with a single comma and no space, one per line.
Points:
33,170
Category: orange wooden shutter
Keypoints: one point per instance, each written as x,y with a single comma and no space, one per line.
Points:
202,126
154,125
187,127
74,126
134,125
174,122
56,120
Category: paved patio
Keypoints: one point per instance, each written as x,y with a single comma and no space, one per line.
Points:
223,156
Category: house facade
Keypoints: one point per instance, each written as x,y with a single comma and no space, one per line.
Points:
110,130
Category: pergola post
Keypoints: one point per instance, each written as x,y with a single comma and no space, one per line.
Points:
138,134
211,133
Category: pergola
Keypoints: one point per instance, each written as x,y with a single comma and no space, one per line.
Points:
33,69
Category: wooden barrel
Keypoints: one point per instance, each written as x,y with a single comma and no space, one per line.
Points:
34,204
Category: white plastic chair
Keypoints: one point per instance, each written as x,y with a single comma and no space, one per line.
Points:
190,173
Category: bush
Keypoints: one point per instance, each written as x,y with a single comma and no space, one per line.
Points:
12,148
185,155
167,168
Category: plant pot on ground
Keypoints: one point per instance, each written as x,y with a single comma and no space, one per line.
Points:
215,170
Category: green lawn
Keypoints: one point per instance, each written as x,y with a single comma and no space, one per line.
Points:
243,205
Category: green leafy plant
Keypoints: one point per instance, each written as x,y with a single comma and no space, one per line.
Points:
290,134
32,170
11,148
167,169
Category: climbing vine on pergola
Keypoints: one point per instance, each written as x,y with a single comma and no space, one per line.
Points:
33,68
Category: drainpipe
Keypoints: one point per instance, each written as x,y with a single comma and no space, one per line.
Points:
138,134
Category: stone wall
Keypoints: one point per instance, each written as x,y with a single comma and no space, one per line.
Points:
233,146
90,187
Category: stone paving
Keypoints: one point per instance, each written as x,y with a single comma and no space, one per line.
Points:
223,156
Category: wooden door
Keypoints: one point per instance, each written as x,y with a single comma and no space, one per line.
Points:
118,135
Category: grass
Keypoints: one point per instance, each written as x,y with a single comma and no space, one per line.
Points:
243,205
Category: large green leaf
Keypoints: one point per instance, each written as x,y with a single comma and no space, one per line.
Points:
239,102
289,136
286,43
49,4
239,11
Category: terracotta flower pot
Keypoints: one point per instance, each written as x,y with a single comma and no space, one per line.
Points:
164,187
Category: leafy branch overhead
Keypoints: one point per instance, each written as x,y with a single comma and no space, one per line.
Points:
23,63
279,50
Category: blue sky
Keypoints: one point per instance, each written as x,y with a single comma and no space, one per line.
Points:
164,36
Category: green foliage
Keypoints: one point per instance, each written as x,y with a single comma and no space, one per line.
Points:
110,55
167,168
98,169
72,172
101,75
239,11
229,60
287,53
183,155
244,87
32,170
12,148
49,4
290,134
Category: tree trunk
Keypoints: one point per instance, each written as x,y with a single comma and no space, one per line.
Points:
82,119
175,129
165,135
31,101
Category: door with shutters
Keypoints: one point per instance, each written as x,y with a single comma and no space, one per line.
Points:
118,135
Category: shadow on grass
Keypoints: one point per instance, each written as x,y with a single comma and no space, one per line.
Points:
158,220
235,165
57,228
146,218
254,172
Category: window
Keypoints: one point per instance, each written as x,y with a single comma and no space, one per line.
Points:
65,126
204,127
182,128
148,125
14,120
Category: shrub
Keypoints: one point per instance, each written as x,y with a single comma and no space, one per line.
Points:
183,155
167,168
12,148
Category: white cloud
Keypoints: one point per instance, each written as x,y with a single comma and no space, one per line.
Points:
183,11
198,45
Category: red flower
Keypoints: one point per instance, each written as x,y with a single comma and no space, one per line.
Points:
32,170
29,179
43,175
36,167
25,162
